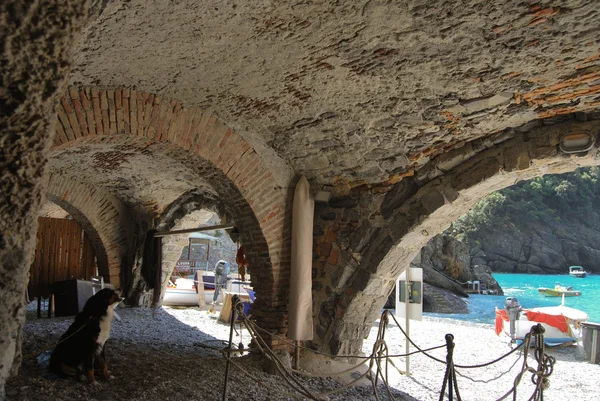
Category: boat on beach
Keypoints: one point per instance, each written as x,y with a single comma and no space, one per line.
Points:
559,291
183,291
577,271
561,323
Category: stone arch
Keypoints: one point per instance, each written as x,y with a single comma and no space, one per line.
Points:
408,214
103,217
184,206
258,191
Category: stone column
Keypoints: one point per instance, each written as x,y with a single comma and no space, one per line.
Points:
36,41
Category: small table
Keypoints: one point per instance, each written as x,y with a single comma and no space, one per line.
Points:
225,315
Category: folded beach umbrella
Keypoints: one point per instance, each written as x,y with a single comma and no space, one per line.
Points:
300,316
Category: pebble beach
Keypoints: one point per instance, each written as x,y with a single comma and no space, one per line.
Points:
171,354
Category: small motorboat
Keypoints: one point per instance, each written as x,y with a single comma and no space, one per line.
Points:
559,291
561,323
577,271
183,293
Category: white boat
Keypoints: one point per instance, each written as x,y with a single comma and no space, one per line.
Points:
577,271
183,293
561,323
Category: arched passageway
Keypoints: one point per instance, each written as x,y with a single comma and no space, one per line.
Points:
154,155
193,210
104,218
370,237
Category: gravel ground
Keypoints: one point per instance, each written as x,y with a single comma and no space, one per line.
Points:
159,357
163,356
572,378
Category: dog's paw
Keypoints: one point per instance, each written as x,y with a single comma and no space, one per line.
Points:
95,384
82,378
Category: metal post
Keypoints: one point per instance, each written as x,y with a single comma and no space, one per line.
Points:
450,364
407,320
193,230
594,345
234,302
297,355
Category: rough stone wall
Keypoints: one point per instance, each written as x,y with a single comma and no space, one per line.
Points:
354,92
36,40
368,237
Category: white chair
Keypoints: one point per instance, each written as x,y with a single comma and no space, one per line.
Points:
97,283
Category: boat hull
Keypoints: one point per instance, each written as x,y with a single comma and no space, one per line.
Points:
549,292
561,324
552,335
186,297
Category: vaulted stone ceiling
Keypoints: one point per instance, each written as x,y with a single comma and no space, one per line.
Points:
148,175
348,91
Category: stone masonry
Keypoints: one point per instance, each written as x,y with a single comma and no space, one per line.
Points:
410,111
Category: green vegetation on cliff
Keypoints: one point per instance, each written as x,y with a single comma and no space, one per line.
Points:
539,226
550,198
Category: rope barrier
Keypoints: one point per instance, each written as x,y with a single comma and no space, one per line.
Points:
492,379
379,360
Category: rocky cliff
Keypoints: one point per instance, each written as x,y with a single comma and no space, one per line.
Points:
447,268
540,226
542,248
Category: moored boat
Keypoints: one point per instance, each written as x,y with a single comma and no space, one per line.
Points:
561,323
559,291
577,271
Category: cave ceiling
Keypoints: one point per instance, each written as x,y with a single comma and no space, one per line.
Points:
353,91
147,176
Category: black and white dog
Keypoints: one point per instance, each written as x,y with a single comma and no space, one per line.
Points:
81,348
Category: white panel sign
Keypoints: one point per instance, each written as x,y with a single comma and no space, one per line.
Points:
414,288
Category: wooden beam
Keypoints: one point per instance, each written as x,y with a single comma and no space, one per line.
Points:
194,230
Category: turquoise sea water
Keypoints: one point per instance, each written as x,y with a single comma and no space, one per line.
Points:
524,287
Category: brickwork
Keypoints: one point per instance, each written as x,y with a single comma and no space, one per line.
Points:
366,236
252,195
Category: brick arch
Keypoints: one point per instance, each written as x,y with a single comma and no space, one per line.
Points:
418,208
260,188
103,217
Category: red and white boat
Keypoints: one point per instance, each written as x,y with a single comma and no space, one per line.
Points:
561,323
